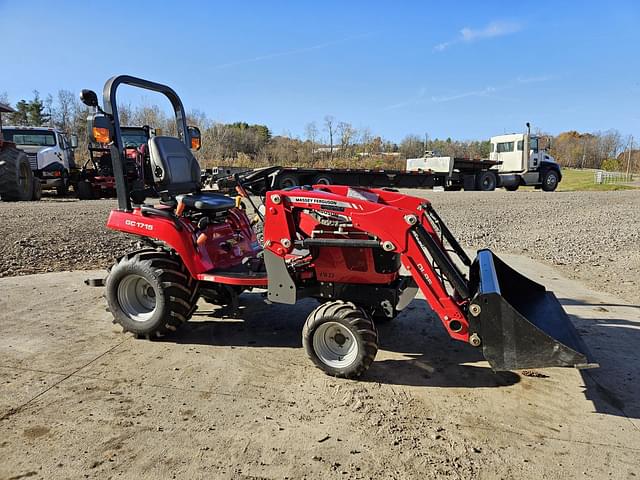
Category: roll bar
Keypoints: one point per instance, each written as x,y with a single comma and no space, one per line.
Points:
111,109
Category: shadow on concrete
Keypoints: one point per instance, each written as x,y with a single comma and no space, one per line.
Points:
429,356
614,387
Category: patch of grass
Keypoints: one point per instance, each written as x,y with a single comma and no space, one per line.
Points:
574,180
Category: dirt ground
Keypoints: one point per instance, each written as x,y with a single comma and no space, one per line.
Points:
238,399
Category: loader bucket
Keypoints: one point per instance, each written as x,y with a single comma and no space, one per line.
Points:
520,324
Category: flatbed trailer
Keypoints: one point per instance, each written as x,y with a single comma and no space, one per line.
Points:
467,173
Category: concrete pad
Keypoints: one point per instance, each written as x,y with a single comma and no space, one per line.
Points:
237,398
53,322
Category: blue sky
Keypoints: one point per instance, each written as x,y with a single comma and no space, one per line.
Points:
467,70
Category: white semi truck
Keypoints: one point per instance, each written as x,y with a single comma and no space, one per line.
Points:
518,159
50,153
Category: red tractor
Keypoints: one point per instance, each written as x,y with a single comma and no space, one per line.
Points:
95,179
343,246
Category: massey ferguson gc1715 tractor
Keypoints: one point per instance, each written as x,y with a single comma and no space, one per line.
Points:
341,245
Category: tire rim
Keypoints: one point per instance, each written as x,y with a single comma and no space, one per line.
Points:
137,298
335,345
551,179
323,181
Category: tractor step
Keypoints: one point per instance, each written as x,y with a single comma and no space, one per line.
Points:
244,278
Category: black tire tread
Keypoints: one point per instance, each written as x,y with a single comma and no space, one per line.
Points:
10,190
358,319
180,289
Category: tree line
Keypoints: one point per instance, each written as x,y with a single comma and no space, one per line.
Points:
327,143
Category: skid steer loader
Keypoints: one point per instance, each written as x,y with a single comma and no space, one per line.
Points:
341,245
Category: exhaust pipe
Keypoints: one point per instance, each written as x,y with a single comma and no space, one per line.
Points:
519,323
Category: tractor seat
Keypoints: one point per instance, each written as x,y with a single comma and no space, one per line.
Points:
176,174
207,201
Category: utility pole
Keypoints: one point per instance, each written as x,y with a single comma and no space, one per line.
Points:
426,142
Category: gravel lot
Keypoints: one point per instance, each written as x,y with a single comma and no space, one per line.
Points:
591,236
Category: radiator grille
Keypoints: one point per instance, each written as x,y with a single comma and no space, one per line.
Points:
33,160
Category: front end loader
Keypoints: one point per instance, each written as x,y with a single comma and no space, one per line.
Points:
362,253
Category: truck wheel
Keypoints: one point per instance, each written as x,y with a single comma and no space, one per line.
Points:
84,190
512,188
63,191
37,190
550,181
340,339
486,181
322,179
288,181
150,293
16,176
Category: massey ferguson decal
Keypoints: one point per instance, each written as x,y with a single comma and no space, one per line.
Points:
326,204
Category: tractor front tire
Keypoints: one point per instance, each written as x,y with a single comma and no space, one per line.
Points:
150,293
37,190
16,176
340,339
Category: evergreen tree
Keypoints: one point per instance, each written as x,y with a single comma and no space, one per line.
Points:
37,115
21,115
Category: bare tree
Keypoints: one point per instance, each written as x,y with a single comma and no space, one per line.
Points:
125,113
329,126
65,110
311,132
347,134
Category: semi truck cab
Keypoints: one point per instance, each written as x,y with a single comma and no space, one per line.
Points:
524,162
50,152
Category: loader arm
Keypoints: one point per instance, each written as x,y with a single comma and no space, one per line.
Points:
393,222
515,320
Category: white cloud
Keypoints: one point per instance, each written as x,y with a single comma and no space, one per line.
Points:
292,52
475,93
468,35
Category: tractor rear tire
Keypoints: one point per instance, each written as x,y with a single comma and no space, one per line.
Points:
340,339
84,190
150,293
16,176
